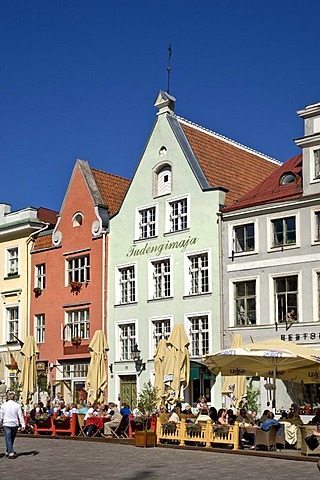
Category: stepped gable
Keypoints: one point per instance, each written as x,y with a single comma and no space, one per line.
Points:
227,163
271,189
112,189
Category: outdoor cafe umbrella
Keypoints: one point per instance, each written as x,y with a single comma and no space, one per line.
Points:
176,365
28,375
158,367
96,381
270,359
235,386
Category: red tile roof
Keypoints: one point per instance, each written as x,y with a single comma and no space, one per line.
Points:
270,189
226,163
112,188
44,241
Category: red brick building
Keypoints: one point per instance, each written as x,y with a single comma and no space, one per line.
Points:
69,281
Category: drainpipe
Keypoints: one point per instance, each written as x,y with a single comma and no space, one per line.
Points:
29,283
220,218
103,309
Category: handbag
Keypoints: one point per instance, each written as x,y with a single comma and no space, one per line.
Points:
312,441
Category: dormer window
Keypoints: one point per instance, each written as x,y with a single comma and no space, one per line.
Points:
287,178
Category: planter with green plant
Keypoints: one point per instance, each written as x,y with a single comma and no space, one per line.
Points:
147,405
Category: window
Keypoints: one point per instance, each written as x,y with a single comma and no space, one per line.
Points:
40,328
317,226
244,238
41,276
245,303
79,324
12,261
79,269
147,223
163,180
284,231
198,274
286,297
127,284
77,219
178,215
161,330
199,335
79,370
127,340
287,178
13,323
316,162
161,278
318,282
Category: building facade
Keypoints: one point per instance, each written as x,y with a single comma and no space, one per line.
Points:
165,262
69,278
271,246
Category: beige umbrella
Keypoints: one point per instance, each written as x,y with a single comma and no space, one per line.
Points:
271,359
28,375
96,381
158,367
235,386
176,365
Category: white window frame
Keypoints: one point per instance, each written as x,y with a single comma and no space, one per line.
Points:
39,327
14,321
151,276
315,226
270,231
40,276
12,262
272,306
246,297
77,327
188,279
79,273
147,208
168,221
315,163
316,295
152,321
187,322
232,238
232,311
118,325
118,283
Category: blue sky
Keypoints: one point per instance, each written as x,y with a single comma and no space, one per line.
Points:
79,78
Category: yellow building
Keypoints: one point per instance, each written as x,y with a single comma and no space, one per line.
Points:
17,232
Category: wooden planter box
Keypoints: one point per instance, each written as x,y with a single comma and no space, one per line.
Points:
44,423
145,439
62,424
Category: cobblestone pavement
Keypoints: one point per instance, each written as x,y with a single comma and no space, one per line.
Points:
53,459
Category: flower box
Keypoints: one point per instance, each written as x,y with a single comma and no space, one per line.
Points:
62,423
193,428
43,422
220,429
169,426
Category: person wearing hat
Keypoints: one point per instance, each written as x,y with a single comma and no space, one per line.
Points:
10,418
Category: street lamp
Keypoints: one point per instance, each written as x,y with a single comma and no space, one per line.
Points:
139,363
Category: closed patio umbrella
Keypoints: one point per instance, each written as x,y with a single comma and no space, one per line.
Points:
271,359
28,375
158,367
176,365
96,381
235,387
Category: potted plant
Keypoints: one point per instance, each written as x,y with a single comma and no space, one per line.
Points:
37,292
147,405
75,287
169,427
193,428
43,420
76,341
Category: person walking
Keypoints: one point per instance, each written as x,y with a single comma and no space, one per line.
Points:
10,418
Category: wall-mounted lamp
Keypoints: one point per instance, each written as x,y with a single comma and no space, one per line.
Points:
140,365
111,368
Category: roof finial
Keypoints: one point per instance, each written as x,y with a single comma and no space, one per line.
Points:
169,67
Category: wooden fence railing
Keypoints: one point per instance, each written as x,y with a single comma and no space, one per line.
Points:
207,435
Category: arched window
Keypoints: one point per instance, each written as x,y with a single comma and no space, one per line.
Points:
162,180
287,177
77,219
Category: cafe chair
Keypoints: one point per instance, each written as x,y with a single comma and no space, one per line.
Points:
82,427
267,439
115,429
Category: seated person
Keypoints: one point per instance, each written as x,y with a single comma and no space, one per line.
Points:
267,424
231,416
295,418
264,416
188,411
314,421
125,409
202,405
253,417
174,417
114,420
213,414
243,419
222,417
92,411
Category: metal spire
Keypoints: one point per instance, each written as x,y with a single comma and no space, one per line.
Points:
169,67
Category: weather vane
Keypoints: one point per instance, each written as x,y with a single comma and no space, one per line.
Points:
169,67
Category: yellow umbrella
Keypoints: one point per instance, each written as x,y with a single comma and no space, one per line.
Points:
96,381
176,365
158,367
235,387
28,375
